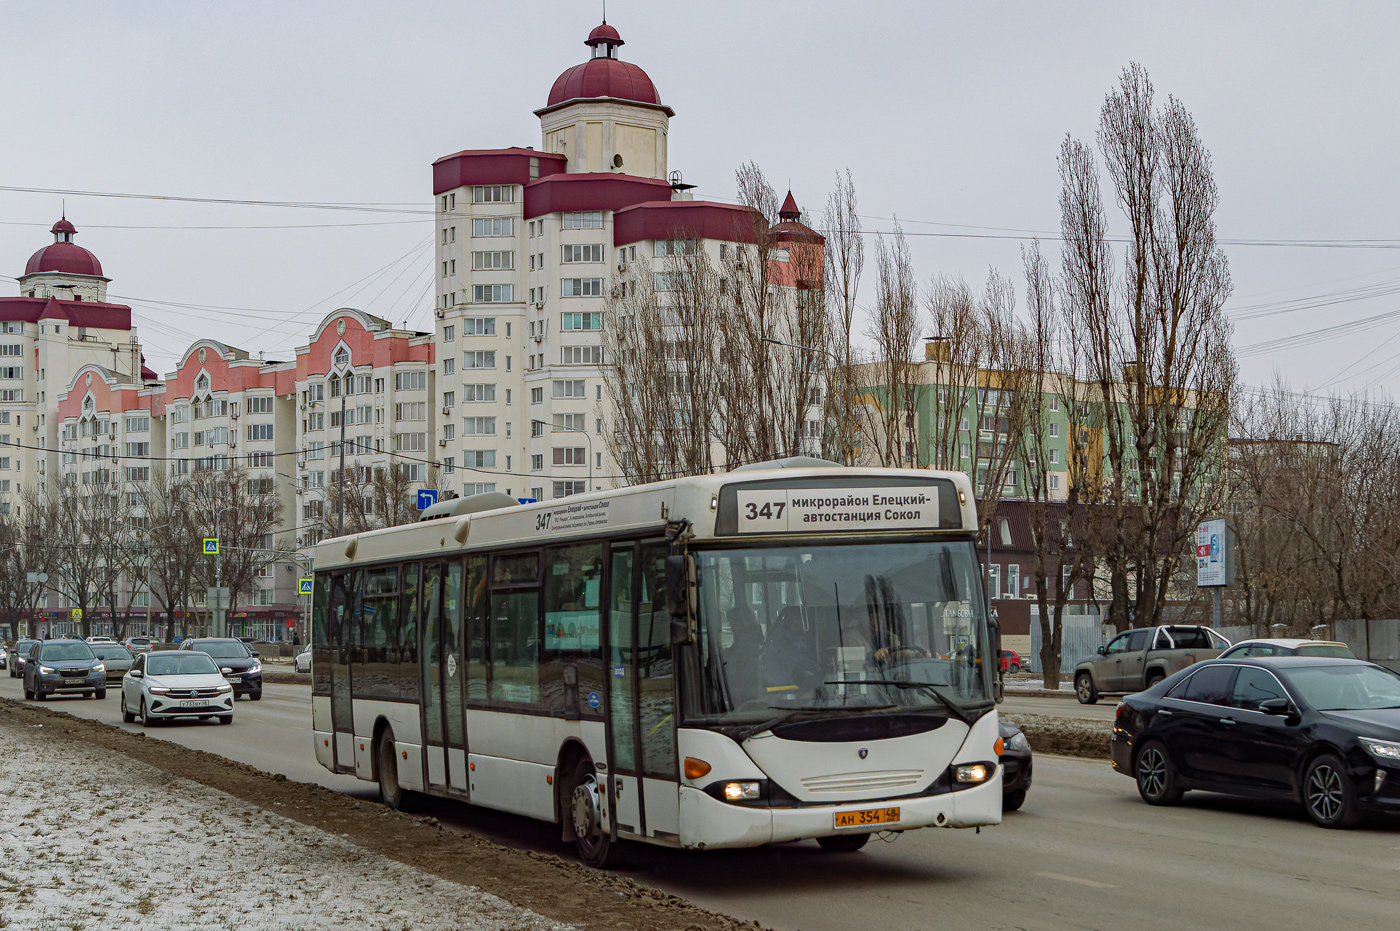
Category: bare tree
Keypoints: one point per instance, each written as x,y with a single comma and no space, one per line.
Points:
21,555
87,539
1159,341
844,255
173,541
889,428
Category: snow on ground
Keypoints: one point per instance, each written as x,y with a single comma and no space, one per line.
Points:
92,840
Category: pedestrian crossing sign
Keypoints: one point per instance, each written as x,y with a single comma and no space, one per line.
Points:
304,586
211,546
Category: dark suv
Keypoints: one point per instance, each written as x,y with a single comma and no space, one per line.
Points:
240,666
17,655
56,667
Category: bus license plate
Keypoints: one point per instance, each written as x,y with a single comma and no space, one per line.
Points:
866,816
194,704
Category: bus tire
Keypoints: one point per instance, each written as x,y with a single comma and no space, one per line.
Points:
584,801
843,843
386,767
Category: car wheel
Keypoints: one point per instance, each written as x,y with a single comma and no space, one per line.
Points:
127,716
255,696
146,719
1014,668
39,693
843,843
1156,777
1012,801
1328,794
584,798
387,764
1154,679
28,695
101,693
1084,689
225,719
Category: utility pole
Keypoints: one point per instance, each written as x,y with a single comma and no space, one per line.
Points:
340,484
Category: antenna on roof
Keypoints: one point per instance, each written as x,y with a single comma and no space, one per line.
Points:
605,12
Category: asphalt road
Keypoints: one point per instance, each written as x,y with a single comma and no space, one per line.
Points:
1085,852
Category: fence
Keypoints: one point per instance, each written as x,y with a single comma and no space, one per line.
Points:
1083,635
1378,641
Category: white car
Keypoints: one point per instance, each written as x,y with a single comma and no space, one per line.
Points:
100,640
175,684
302,661
1271,647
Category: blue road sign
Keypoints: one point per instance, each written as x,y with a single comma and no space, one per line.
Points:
304,586
527,500
211,546
427,497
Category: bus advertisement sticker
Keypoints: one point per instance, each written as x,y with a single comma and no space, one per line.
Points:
594,700
619,672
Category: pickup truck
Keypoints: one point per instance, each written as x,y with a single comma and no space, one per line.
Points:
1139,659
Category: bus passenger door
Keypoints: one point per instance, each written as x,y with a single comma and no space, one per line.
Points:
624,788
656,723
434,742
344,636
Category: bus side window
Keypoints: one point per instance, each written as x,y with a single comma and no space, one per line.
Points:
374,678
572,619
404,646
478,611
655,667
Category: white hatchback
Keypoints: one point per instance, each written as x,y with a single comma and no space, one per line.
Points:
175,684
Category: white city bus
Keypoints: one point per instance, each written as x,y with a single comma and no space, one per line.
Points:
787,651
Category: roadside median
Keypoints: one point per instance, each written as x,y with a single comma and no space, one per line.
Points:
1063,736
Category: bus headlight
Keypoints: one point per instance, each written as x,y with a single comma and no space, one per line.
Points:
972,773
742,791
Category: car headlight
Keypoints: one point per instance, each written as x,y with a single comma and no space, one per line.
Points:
46,670
224,688
1018,741
157,689
255,670
99,668
1382,749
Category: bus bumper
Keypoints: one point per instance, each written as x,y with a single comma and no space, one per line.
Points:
709,824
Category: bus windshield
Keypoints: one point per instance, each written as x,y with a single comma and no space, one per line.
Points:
839,627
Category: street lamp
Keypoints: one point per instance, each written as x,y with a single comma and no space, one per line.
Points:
586,435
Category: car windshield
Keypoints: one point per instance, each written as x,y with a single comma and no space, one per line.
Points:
1345,688
180,664
110,651
223,649
872,626
58,652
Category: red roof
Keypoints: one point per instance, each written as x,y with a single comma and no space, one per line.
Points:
789,211
65,257
603,33
604,77
63,226
77,313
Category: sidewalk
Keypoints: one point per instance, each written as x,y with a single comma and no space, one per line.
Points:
106,842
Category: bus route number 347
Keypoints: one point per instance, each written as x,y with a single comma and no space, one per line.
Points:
768,510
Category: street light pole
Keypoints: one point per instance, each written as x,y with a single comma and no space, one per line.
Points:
586,435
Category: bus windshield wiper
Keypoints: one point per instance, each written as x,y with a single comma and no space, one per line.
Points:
746,732
961,713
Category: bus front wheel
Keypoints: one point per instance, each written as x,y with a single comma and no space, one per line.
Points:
585,807
387,765
843,843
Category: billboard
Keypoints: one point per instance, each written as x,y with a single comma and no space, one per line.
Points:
1212,554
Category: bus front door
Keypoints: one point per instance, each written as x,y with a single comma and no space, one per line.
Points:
444,734
644,784
344,636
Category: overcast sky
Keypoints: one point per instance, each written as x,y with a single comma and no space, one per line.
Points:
949,115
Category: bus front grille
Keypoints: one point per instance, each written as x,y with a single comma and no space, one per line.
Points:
863,782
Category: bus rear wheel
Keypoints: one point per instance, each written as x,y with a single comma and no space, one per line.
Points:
585,807
843,843
387,765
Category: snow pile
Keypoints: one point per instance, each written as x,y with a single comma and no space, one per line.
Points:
92,840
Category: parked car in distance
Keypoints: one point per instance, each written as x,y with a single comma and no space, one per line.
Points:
1015,766
1321,731
1139,659
1263,647
165,684
55,667
99,640
243,668
138,645
302,661
18,654
115,657
1011,661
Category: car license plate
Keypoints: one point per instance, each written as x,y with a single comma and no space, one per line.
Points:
866,816
234,678
194,704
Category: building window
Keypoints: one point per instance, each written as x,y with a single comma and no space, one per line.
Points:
479,459
493,261
410,381
570,456
259,404
1054,456
536,395
11,349
573,423
479,359
575,254
479,488
493,226
581,355
537,462
478,426
260,431
565,489
413,410
449,333
478,393
581,321
449,366
584,220
1054,483
581,287
571,388
493,193
138,424
479,326
410,442
1054,429
994,581
493,293
1054,404
449,398
1013,580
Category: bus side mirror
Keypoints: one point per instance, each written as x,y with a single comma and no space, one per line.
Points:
680,598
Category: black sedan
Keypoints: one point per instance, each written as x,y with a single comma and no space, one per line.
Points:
240,666
1015,766
1324,732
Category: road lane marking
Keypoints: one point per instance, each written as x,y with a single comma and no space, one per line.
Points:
1075,879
